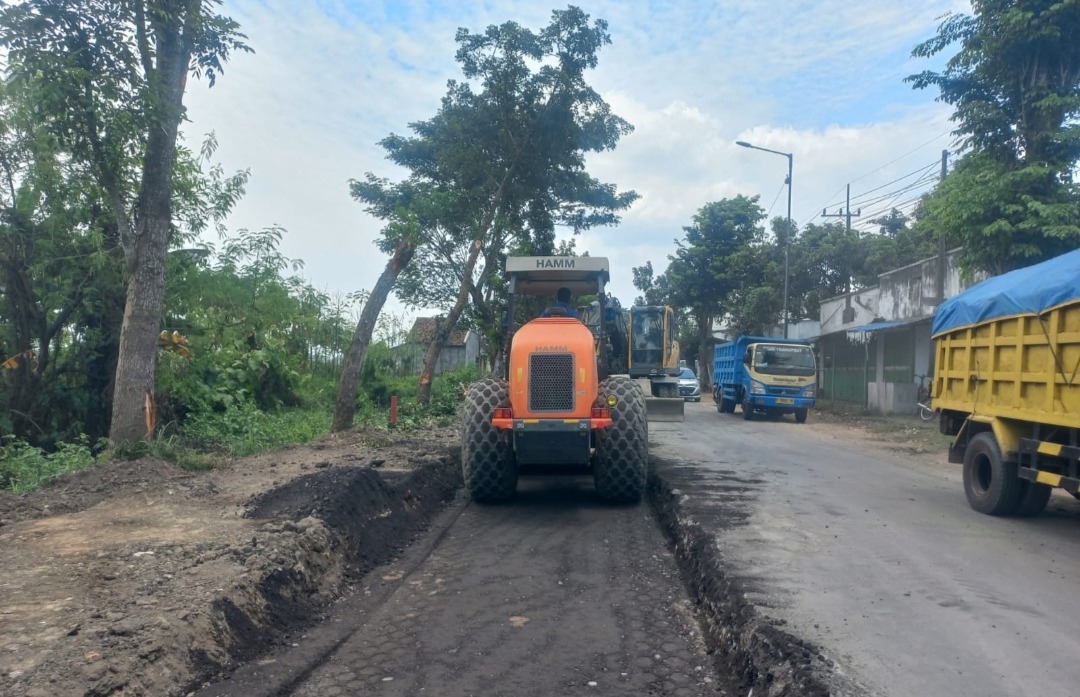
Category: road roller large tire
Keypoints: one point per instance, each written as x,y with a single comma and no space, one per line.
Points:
621,460
487,453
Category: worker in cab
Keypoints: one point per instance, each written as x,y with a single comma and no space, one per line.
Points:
562,302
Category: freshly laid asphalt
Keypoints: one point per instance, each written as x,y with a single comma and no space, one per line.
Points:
877,558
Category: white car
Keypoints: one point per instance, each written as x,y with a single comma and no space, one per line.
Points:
689,388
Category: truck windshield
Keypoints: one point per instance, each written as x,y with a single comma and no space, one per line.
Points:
777,359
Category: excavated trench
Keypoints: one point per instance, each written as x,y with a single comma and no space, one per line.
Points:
758,656
371,517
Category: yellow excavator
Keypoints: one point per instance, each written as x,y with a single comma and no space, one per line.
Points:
642,343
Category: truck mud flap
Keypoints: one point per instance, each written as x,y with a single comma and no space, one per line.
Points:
664,408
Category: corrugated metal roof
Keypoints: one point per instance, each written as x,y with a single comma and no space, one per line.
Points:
880,326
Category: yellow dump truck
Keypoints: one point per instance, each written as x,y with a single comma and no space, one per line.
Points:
1007,385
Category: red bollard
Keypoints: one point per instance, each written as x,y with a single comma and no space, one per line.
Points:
393,408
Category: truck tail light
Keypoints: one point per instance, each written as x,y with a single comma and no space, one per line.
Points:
503,413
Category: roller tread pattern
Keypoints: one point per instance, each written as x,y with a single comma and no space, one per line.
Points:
620,463
488,462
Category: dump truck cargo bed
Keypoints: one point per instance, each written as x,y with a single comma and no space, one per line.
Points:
1007,385
1011,349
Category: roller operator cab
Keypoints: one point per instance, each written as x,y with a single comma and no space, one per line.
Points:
557,406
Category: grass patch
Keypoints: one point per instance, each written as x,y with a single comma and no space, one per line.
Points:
206,439
24,467
245,430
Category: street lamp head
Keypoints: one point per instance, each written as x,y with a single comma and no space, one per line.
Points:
743,143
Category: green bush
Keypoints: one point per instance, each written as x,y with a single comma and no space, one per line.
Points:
447,394
225,377
24,467
242,429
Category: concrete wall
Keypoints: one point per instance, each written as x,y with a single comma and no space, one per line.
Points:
908,294
904,294
850,310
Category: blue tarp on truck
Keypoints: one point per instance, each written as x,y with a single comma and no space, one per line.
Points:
1028,291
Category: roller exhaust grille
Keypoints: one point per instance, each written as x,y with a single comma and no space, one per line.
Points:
551,382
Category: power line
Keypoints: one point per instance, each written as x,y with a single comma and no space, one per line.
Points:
926,175
891,162
905,207
926,178
909,152
922,170
777,198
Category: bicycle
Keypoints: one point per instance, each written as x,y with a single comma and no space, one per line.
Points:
924,400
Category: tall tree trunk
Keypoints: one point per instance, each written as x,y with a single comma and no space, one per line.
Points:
133,409
705,357
345,404
431,356
423,390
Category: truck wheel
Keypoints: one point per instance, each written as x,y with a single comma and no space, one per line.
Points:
621,460
747,410
800,415
1033,499
488,461
990,483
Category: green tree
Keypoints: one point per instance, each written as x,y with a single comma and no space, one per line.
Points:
111,80
1015,87
62,273
504,158
701,274
62,293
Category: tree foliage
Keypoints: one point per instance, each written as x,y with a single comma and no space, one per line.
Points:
706,269
501,165
1014,83
109,79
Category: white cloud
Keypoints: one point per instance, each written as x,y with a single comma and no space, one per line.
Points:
330,79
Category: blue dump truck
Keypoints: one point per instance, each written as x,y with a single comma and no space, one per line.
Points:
764,375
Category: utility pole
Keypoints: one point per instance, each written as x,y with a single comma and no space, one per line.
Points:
942,265
843,213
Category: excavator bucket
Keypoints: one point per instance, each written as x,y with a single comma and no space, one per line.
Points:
664,408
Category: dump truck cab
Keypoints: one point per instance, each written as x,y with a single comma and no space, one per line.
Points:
556,405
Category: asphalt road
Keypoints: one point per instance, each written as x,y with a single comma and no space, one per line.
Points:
877,558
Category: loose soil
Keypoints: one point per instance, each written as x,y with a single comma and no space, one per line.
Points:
137,578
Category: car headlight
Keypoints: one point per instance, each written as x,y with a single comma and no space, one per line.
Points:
808,391
757,388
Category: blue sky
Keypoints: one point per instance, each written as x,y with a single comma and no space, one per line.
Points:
822,79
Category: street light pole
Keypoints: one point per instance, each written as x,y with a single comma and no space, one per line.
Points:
787,237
